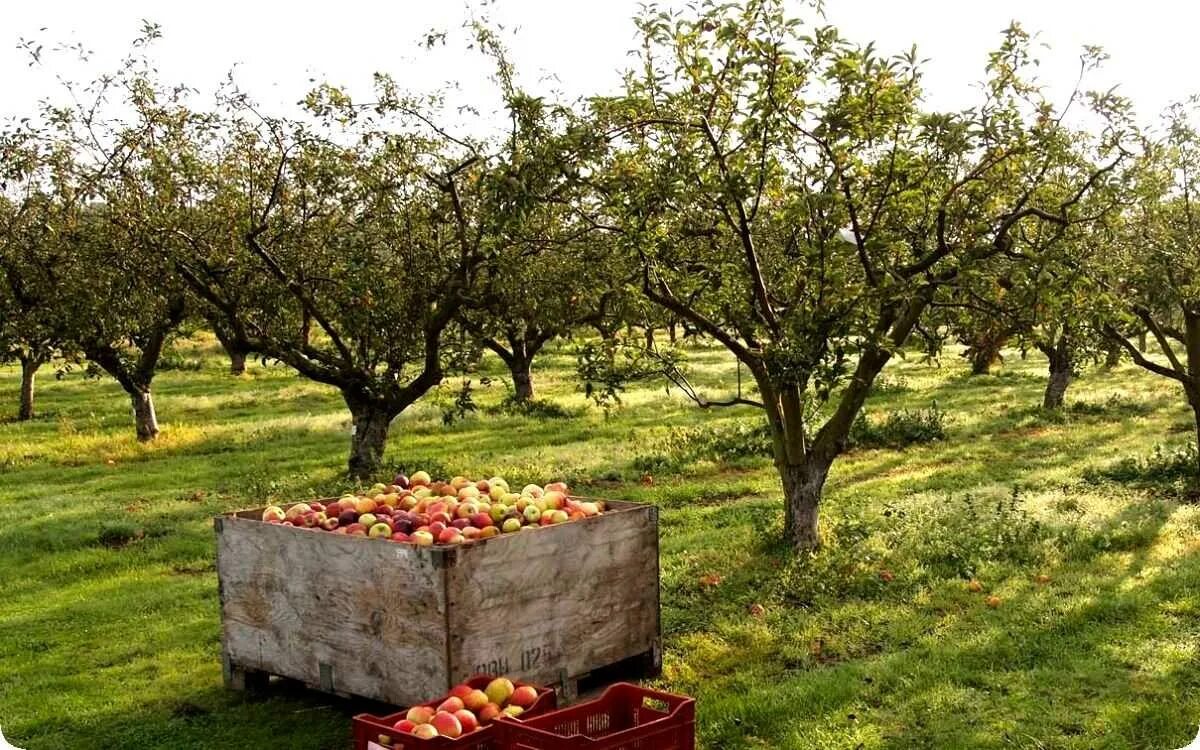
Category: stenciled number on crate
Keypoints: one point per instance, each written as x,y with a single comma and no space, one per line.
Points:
495,666
528,660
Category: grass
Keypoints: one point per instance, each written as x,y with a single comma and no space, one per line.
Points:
109,630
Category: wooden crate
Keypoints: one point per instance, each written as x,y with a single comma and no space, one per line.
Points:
400,623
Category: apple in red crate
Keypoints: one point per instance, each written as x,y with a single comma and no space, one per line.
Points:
274,513
404,725
461,690
524,696
499,690
513,711
466,720
447,724
420,714
474,700
488,713
451,704
425,731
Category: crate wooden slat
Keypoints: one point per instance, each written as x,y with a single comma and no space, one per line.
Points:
399,623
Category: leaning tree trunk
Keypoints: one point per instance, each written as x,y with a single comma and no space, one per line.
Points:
29,368
371,420
234,349
983,356
144,418
1060,374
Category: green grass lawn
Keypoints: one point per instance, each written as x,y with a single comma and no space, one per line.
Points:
874,643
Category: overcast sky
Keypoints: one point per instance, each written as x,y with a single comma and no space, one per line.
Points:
279,46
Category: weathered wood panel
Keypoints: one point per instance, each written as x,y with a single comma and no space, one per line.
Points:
343,614
556,603
400,623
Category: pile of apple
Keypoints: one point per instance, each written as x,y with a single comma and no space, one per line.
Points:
419,510
467,709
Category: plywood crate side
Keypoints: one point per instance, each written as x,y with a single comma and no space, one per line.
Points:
551,605
340,613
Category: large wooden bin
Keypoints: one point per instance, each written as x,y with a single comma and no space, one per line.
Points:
399,623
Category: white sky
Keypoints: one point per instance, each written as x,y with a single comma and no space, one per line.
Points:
279,46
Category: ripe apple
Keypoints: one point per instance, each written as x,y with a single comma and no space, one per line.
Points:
365,505
532,514
513,711
531,490
368,519
459,482
557,487
466,510
420,478
471,533
437,527
404,725
451,704
481,520
425,731
422,538
511,525
460,523
554,499
589,509
483,486
488,713
462,690
497,493
356,529
499,690
447,724
500,482
488,532
274,513
296,511
474,699
329,524
400,536
497,512
466,720
468,492
523,696
380,531
450,536
443,518
401,481
559,516
420,714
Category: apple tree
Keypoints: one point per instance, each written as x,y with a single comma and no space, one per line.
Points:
784,193
1153,275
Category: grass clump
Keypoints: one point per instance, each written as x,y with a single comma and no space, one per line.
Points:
1165,469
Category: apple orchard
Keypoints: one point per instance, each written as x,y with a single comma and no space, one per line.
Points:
760,191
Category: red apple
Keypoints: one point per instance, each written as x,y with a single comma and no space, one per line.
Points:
447,724
356,529
451,704
274,513
400,536
470,533
420,714
557,487
474,700
523,696
450,536
436,528
462,690
481,520
466,720
404,725
460,523
488,713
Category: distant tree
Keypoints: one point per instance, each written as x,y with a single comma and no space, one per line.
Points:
832,209
1153,275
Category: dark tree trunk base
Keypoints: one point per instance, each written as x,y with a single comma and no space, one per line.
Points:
522,381
29,368
237,363
368,438
144,418
802,486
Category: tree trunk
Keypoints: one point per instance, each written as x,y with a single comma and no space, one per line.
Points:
29,368
649,338
1060,375
983,356
236,351
522,375
368,435
671,333
802,486
144,418
1196,413
1112,357
1141,345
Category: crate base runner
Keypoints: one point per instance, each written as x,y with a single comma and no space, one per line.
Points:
397,623
569,689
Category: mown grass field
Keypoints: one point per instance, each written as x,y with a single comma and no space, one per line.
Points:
875,643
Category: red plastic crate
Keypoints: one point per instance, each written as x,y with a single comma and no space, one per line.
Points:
368,727
625,717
